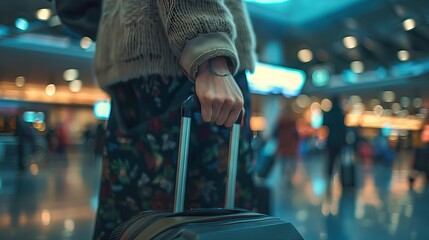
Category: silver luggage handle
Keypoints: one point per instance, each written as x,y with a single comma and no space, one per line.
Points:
189,107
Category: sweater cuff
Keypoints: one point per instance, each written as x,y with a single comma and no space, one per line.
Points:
204,47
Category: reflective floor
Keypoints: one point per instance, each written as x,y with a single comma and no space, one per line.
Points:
56,199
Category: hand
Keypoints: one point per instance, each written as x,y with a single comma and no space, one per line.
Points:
220,97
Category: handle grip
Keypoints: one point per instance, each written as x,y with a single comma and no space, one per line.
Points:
189,107
192,105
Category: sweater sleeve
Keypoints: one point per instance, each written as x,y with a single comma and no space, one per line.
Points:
198,30
245,42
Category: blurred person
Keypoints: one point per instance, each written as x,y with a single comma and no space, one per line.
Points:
24,136
147,51
88,136
382,152
336,140
287,145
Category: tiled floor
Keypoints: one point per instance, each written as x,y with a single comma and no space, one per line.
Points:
56,199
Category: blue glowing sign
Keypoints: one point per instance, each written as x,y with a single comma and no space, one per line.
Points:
31,116
271,79
102,110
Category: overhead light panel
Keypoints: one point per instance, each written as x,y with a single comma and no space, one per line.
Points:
417,102
389,96
85,42
50,89
409,24
75,86
271,79
403,55
350,42
20,81
357,67
43,14
70,74
305,55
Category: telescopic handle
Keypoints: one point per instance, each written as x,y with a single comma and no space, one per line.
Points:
189,107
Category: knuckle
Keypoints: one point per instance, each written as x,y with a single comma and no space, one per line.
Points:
229,102
217,100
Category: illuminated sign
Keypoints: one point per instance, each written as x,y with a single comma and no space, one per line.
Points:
271,79
102,110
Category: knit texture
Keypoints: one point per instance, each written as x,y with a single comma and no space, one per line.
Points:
245,42
138,38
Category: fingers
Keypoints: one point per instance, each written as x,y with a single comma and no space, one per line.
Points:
233,115
221,111
225,112
206,108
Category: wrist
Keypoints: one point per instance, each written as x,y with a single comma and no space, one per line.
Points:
217,66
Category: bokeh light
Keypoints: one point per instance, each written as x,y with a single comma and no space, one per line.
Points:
20,81
43,14
305,55
75,86
70,74
50,89
350,42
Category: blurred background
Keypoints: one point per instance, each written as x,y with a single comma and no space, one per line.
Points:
373,55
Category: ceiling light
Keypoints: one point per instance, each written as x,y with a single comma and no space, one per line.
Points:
21,24
417,102
43,14
50,89
405,101
326,105
409,24
350,42
303,101
388,96
355,99
315,107
378,110
396,108
85,42
403,55
75,86
305,55
20,81
357,67
70,74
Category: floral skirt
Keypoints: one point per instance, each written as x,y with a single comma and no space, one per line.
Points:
139,163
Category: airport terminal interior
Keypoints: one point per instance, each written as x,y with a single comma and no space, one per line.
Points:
369,59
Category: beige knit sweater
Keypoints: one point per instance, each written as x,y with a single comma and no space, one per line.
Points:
170,38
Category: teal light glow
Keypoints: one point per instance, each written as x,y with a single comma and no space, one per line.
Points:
267,1
29,116
21,24
271,79
102,110
319,186
316,120
320,77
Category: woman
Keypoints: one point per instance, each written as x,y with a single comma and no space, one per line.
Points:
147,51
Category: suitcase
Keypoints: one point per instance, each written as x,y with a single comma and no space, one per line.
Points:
204,224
